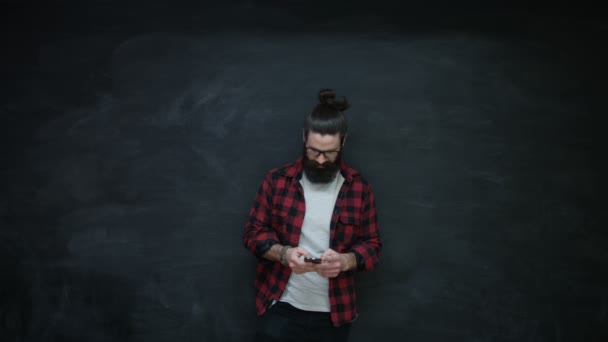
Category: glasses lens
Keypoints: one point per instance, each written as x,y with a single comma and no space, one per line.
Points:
331,154
312,153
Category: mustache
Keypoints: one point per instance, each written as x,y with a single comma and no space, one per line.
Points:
314,163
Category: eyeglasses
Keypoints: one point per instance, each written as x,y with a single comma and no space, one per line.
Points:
314,153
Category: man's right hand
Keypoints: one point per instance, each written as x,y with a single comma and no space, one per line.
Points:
295,261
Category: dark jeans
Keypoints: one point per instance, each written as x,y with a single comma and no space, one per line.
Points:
285,323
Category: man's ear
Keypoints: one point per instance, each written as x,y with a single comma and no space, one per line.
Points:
344,139
304,135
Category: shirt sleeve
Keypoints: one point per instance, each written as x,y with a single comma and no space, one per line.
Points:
259,235
368,247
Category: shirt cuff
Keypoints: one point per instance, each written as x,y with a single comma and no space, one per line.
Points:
264,246
360,261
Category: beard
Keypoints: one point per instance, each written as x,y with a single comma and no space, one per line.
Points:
321,173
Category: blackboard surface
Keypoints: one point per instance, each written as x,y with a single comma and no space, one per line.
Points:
135,136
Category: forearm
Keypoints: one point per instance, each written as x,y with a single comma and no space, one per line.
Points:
348,262
274,253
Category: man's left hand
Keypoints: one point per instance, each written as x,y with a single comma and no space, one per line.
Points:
332,263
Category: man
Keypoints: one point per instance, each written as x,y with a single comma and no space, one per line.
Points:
315,207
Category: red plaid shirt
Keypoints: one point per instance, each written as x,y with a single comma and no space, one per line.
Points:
277,216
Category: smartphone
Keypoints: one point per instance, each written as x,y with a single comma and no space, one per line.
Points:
313,260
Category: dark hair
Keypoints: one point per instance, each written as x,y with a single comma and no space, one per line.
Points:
327,116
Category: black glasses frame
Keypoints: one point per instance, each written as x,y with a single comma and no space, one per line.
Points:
316,153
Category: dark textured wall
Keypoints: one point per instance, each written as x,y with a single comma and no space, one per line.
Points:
134,137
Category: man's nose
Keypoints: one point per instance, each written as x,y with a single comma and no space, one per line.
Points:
321,158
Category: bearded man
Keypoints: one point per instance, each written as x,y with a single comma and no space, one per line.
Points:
312,226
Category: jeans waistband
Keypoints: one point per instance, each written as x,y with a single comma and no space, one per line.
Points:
288,308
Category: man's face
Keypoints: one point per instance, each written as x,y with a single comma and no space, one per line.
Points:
321,156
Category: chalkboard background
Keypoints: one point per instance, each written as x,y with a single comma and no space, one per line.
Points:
134,137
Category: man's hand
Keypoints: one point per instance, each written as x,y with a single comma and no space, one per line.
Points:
332,263
295,262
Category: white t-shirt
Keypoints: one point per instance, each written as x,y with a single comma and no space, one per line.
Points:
310,291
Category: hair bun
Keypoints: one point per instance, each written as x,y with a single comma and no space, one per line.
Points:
327,97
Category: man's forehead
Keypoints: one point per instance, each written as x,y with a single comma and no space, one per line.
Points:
323,141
